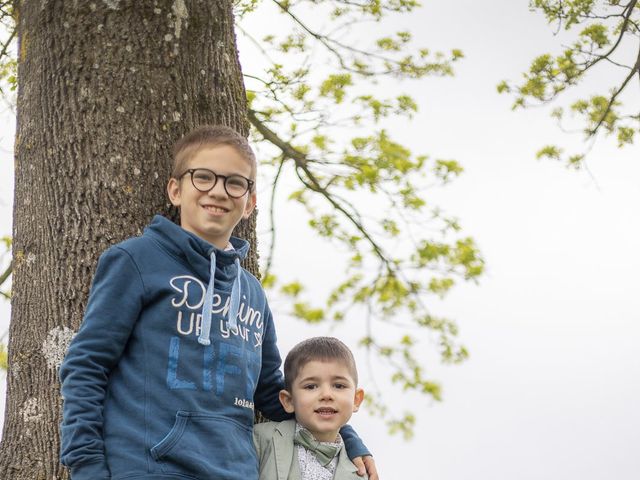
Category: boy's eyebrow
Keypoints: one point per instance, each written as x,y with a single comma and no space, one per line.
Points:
219,171
315,379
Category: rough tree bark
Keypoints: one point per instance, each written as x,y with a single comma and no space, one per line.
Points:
105,88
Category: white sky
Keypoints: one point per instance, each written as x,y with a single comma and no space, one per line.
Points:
551,388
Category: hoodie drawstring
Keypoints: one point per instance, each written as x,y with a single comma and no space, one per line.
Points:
205,331
234,301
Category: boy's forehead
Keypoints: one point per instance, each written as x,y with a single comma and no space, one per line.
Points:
217,148
333,367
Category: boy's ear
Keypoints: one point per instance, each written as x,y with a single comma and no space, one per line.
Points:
173,190
251,204
357,399
286,401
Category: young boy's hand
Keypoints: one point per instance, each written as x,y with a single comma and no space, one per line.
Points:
366,464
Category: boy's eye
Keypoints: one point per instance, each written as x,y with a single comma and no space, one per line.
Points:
235,180
204,177
340,385
309,386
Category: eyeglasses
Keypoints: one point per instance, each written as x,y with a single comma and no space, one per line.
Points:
204,180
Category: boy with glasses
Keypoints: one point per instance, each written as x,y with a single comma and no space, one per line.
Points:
178,344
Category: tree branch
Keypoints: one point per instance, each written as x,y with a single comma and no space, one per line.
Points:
321,38
634,70
6,44
5,275
331,44
267,268
301,162
626,15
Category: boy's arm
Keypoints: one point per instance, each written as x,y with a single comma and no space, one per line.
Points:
271,380
113,308
353,443
358,453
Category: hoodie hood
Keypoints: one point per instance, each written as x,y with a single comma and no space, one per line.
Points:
220,269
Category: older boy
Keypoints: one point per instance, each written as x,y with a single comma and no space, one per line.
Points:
178,344
321,389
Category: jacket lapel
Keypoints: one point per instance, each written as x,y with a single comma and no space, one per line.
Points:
283,448
345,470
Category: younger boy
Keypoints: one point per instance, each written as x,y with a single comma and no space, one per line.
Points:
321,389
177,344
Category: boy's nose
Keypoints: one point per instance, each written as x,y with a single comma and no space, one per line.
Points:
218,189
325,392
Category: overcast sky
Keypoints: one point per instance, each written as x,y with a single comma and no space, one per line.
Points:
551,388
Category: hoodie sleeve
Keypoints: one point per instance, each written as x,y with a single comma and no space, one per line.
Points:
353,443
114,305
272,381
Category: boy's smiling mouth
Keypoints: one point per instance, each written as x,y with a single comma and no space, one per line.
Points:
326,411
215,209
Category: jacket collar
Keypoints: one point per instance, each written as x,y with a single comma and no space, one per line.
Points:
287,460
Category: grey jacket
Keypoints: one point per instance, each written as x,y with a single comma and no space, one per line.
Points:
278,458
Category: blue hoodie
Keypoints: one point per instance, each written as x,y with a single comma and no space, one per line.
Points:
151,391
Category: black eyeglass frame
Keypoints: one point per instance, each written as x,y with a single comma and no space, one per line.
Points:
216,176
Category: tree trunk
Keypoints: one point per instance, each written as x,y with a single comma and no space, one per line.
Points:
105,89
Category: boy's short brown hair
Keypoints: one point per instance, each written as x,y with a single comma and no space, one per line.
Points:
318,349
210,136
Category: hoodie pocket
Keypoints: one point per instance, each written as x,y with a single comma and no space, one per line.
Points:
207,446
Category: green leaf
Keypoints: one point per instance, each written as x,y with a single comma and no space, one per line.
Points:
625,135
335,86
4,364
549,151
447,169
503,87
404,425
441,286
268,281
391,227
292,289
597,34
304,312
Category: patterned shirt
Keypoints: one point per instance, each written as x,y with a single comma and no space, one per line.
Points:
310,468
